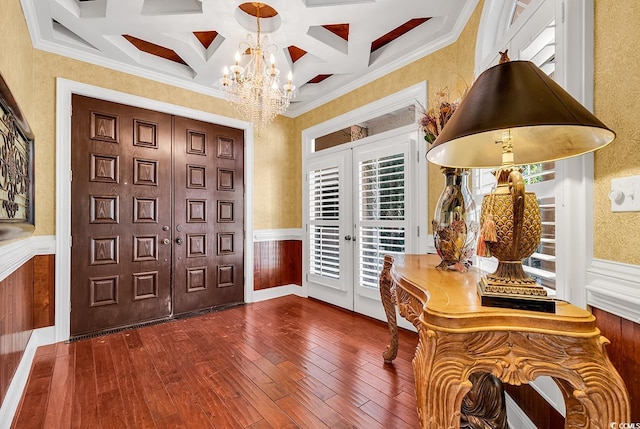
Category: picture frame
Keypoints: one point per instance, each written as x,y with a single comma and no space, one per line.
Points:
17,215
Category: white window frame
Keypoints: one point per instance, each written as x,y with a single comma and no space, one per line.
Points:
574,198
574,71
410,96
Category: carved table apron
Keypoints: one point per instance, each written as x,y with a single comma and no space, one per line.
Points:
459,338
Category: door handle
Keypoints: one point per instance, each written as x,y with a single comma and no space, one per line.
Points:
347,237
166,241
179,240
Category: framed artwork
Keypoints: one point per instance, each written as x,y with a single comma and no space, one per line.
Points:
16,169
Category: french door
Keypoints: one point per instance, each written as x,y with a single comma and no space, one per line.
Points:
359,205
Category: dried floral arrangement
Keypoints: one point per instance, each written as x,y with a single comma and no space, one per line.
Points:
433,120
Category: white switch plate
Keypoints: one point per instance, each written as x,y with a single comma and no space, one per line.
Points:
625,194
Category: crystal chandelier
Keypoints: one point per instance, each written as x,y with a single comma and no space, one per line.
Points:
255,89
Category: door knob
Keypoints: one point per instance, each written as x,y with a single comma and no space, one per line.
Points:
166,241
347,237
179,240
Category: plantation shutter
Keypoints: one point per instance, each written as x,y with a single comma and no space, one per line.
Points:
324,226
381,220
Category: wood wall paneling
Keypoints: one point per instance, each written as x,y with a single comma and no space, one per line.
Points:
624,352
16,321
277,263
43,291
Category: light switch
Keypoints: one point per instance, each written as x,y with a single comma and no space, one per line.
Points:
625,194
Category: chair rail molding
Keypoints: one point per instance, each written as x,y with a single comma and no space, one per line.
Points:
16,253
615,288
277,234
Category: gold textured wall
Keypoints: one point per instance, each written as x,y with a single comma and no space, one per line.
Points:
15,59
450,67
271,197
31,75
617,104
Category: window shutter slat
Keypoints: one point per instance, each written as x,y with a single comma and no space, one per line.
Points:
381,188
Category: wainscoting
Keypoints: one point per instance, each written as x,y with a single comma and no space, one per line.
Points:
624,352
16,321
26,303
277,263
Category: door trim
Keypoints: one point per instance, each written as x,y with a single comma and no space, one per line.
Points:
64,89
410,96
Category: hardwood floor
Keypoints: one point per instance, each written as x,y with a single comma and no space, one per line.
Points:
285,363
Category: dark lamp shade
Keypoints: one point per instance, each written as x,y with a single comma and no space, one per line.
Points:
546,122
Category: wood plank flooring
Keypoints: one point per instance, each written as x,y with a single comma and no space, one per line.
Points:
289,362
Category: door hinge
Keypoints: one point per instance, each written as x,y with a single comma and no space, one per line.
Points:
418,156
70,241
418,231
70,175
562,13
307,277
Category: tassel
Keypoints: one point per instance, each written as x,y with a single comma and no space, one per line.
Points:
481,248
489,229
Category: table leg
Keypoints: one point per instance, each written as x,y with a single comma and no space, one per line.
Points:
387,292
595,394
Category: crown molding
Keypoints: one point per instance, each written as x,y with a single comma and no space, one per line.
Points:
449,34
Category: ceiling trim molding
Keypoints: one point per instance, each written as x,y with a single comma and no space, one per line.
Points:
429,48
449,33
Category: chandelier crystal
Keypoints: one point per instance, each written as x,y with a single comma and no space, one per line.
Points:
254,90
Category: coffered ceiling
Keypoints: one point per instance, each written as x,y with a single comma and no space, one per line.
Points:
332,46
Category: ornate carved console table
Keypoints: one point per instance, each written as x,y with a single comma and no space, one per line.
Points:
459,339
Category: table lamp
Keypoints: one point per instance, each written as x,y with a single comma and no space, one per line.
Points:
514,114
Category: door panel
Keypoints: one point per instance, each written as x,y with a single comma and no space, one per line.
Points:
330,231
208,215
380,173
121,160
358,206
157,215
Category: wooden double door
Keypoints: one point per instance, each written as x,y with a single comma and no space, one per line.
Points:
157,215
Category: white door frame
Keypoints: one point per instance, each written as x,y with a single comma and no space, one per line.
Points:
64,89
410,96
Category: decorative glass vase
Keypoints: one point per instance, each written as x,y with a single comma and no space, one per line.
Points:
455,224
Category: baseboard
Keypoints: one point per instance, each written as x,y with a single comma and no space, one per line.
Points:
39,337
277,234
16,253
613,287
277,292
517,418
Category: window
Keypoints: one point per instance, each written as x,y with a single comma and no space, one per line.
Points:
324,213
381,192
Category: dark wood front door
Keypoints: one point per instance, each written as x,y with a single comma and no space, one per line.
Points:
157,215
208,214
